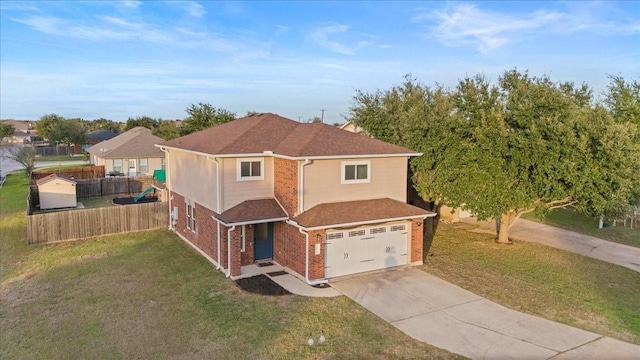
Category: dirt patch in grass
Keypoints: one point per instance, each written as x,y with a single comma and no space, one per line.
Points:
261,284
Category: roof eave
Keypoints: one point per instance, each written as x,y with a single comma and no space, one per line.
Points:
359,223
249,222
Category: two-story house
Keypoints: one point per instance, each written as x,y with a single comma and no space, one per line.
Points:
318,200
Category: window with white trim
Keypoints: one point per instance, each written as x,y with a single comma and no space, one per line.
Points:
242,237
144,165
250,169
356,172
188,211
117,165
191,216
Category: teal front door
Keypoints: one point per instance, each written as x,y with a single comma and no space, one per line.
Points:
263,241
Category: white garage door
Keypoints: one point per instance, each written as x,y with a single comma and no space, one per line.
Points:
365,249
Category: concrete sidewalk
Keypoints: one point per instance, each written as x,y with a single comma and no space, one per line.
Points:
439,313
525,230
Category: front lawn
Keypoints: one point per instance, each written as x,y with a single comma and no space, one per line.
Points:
540,280
570,219
59,158
149,295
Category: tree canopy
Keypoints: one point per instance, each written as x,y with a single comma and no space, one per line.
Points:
6,129
144,121
203,116
504,149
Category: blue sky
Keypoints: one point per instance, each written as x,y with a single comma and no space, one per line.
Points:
125,59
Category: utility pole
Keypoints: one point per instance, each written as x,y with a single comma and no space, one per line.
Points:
322,118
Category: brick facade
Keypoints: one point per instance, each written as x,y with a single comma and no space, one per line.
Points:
416,240
206,235
290,246
285,188
247,256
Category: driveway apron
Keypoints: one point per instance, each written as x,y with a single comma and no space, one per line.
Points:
441,314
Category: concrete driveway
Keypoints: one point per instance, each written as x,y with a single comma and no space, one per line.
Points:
441,314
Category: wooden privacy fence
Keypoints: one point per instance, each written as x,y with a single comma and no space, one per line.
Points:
51,150
86,223
112,185
85,172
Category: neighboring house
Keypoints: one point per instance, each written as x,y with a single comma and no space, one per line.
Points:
131,153
320,201
56,192
351,127
94,137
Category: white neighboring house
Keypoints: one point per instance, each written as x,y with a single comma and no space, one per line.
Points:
57,192
132,153
350,126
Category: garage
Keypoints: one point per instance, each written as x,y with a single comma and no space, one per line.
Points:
351,251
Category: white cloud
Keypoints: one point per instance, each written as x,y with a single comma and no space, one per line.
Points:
194,9
466,25
336,37
131,3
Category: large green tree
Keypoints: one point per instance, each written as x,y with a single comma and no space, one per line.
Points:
623,99
144,121
47,126
105,124
504,149
6,129
203,116
167,130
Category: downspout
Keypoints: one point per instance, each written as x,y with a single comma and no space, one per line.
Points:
301,207
217,204
229,249
306,263
168,178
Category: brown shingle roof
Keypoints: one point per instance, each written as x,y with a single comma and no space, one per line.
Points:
51,177
253,210
270,132
137,142
358,212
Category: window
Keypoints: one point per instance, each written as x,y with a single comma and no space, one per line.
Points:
250,169
144,165
354,172
117,165
242,237
190,220
193,218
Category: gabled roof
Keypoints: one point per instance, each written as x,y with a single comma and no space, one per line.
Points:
52,177
352,213
101,135
137,142
253,211
257,134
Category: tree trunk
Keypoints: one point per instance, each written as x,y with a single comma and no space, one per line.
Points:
505,223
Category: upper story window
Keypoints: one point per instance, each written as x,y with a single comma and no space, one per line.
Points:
356,172
250,169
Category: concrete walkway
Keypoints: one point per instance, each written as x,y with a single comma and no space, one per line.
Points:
525,230
439,313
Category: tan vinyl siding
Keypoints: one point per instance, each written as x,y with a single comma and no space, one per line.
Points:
236,191
193,177
57,193
323,181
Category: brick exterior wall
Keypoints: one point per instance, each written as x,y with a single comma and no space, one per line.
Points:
289,250
416,240
285,187
247,257
316,262
206,236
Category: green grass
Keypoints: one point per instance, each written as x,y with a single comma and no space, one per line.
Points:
60,167
59,158
97,201
540,280
149,295
569,219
